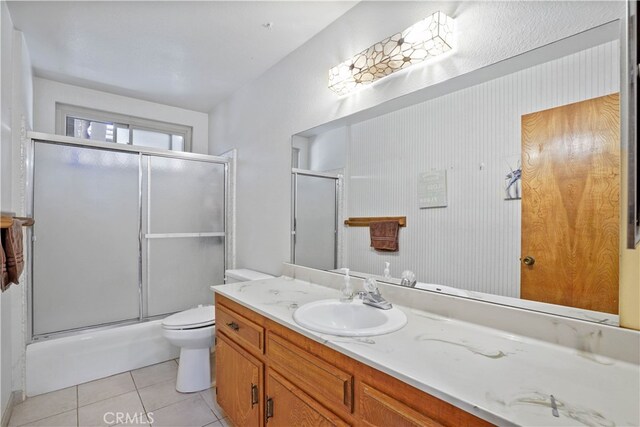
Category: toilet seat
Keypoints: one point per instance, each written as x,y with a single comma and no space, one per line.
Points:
195,318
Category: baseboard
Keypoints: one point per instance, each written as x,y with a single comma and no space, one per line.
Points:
14,399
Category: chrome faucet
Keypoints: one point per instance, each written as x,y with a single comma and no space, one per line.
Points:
408,279
371,296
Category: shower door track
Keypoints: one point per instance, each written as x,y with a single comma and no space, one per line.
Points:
32,138
94,328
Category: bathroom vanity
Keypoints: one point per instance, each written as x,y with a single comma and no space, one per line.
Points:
267,373
437,370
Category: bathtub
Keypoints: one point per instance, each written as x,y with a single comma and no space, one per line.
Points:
63,362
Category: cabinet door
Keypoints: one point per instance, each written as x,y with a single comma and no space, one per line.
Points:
379,409
321,380
238,383
288,406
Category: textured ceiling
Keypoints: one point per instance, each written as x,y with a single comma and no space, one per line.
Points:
186,54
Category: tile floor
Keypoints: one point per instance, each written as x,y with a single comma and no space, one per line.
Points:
148,395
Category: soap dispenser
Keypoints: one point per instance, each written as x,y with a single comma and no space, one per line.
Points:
347,291
387,273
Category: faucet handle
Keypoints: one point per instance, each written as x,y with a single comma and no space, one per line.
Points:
371,286
408,278
409,275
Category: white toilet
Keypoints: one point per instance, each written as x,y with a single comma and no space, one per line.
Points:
193,331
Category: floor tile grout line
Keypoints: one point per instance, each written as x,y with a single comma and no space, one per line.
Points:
145,367
48,416
44,418
195,393
106,398
207,405
210,408
180,401
163,382
133,380
144,408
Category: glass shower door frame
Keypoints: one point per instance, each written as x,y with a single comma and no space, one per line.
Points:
141,152
295,172
149,235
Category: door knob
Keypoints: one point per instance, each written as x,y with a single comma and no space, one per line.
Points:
529,260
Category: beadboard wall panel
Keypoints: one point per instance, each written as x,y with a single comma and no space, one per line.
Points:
474,242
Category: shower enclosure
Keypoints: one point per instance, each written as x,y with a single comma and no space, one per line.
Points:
314,234
122,234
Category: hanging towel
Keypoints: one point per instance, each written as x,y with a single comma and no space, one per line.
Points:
384,235
4,276
12,243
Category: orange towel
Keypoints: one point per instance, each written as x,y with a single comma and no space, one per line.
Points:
384,235
12,243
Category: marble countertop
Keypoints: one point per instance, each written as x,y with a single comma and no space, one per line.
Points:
503,378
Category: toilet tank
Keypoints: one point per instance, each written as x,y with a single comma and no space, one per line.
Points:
244,275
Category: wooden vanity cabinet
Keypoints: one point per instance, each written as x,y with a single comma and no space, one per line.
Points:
239,383
268,375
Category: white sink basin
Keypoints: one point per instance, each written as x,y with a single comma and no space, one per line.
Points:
348,319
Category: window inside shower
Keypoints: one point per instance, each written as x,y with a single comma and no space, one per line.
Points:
122,236
101,126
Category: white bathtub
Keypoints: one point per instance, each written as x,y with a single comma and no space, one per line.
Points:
64,362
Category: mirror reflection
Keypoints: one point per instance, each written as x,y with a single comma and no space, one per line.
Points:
503,186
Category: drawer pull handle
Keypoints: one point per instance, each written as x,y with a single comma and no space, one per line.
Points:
254,395
233,325
268,409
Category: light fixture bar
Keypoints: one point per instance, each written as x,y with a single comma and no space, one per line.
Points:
428,38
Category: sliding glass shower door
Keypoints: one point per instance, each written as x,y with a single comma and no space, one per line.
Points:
184,246
122,236
85,253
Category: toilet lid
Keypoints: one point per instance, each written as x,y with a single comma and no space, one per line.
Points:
192,318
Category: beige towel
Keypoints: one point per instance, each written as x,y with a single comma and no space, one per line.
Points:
4,276
12,243
384,235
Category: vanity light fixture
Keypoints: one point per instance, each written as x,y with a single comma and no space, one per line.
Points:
428,38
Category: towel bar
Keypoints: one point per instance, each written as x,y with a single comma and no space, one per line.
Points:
6,221
365,220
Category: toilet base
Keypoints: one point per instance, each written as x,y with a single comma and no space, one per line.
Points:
194,371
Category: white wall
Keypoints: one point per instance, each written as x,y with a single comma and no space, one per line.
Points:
474,242
6,42
328,151
5,202
260,118
48,92
302,144
17,112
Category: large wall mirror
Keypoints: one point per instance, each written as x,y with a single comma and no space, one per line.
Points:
509,180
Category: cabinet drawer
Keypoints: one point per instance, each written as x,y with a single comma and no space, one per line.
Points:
318,378
240,329
379,409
